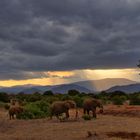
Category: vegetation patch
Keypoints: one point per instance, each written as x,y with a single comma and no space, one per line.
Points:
35,110
86,117
124,135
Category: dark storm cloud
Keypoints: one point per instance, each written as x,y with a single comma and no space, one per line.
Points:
43,35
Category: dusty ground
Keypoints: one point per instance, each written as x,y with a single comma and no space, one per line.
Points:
109,126
124,110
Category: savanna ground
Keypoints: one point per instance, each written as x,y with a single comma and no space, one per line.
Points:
117,123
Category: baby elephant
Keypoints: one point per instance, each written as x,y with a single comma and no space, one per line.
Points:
59,107
15,111
91,105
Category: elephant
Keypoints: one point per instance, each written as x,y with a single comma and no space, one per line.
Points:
15,110
59,107
90,105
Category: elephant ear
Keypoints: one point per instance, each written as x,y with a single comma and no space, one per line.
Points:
70,104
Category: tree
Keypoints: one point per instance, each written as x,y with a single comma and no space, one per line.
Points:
73,92
34,97
4,97
48,93
119,100
117,93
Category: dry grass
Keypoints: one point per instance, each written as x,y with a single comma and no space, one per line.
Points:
123,110
45,129
124,135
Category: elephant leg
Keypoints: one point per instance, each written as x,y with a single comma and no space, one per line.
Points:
57,116
84,111
88,112
12,116
67,114
94,113
16,115
76,114
50,117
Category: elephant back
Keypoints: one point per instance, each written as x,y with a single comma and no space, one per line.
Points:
15,110
58,107
90,103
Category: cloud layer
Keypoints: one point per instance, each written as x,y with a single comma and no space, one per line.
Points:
44,35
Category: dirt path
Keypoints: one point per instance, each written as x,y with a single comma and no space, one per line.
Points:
55,130
105,127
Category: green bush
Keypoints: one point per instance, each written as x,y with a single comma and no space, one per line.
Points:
4,97
43,106
66,97
26,114
36,110
34,97
118,100
48,93
135,100
78,100
73,92
2,104
50,99
86,117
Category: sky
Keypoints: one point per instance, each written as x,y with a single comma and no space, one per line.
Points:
52,42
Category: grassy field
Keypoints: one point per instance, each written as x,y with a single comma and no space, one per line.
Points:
109,126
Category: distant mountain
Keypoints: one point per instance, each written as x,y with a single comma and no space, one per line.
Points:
127,88
14,89
24,88
82,86
64,88
31,90
104,84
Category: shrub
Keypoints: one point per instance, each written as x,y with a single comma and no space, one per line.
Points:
135,100
73,92
48,93
26,114
2,104
50,99
66,97
4,97
78,100
86,117
117,93
34,97
118,100
36,110
43,106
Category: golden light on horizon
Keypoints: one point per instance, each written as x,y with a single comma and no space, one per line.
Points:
61,73
42,81
60,77
112,73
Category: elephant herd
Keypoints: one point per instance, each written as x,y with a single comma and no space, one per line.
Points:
59,107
